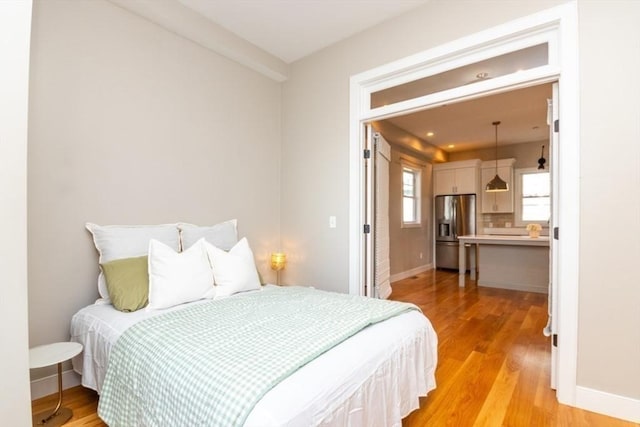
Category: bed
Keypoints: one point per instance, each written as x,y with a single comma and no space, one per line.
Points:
372,376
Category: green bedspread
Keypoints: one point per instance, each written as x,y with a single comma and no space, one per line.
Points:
210,363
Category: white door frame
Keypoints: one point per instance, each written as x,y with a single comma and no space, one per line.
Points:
558,27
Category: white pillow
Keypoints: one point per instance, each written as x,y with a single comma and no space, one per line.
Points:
223,235
233,271
128,241
176,278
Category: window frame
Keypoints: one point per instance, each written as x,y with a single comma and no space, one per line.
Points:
519,222
417,196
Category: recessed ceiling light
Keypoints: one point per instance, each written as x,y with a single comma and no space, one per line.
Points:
450,146
430,133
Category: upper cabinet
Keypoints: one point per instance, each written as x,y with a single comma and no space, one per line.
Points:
456,177
498,202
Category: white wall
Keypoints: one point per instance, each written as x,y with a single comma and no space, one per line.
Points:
609,317
15,33
132,124
316,151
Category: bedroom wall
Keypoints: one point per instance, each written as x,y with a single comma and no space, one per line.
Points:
315,166
315,151
132,124
609,337
15,34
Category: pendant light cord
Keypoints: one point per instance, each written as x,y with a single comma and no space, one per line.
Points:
496,126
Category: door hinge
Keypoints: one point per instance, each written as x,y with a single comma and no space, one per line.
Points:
555,340
556,233
367,229
367,154
556,125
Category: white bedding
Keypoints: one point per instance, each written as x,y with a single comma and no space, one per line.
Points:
372,379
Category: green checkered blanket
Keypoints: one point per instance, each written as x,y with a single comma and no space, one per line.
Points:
210,363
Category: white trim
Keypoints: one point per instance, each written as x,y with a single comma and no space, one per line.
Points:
406,274
559,25
613,405
49,385
15,46
567,267
356,196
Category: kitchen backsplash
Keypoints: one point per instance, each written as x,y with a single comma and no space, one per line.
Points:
504,223
497,220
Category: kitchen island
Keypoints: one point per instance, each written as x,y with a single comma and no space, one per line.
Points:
509,262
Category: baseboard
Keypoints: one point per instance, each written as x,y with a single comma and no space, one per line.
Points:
49,385
409,273
517,287
613,405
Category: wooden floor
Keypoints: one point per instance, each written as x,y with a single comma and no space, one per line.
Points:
493,367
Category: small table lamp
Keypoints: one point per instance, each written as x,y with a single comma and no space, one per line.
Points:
278,261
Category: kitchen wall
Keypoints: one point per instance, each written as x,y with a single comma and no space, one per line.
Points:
410,248
131,124
315,167
526,155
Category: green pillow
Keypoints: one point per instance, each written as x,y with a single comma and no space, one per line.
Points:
127,282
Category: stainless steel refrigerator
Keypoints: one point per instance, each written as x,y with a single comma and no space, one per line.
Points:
455,216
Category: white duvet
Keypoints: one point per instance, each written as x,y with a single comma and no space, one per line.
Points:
372,379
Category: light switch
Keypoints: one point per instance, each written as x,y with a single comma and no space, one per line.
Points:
332,222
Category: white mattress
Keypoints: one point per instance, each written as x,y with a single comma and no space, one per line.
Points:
372,379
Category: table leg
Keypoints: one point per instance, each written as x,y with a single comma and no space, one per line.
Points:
473,262
462,267
58,416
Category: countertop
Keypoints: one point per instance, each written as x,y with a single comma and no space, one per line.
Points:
491,239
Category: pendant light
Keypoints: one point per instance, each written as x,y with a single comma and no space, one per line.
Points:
496,184
541,160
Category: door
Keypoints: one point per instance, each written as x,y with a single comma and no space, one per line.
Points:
377,266
368,232
382,268
554,138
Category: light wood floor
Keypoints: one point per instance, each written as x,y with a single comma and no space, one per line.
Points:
493,367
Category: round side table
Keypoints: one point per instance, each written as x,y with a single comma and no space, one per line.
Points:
47,355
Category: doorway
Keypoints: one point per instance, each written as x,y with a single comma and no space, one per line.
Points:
557,28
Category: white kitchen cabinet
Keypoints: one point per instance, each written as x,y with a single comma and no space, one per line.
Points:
456,177
498,202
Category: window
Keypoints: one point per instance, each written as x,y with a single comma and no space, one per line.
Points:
533,196
410,196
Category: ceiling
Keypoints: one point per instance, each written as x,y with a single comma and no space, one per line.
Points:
468,125
293,29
